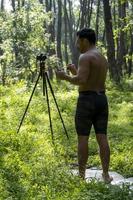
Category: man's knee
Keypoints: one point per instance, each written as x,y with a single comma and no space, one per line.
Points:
102,139
82,138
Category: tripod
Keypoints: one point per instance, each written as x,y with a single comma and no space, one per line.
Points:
46,82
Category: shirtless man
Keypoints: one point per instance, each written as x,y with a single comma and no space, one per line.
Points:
92,104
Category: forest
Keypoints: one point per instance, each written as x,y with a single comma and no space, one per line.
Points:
31,165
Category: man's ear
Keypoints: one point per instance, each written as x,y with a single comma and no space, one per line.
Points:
85,41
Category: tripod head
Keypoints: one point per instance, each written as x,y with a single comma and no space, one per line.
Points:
42,57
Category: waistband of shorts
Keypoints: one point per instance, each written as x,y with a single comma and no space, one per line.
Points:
91,92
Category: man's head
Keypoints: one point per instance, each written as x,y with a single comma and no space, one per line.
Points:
86,38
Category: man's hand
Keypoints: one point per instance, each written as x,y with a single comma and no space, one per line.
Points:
72,69
60,75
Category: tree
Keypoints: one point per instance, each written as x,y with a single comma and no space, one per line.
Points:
2,5
97,18
13,5
83,11
51,49
66,31
51,26
122,37
22,37
72,33
59,26
90,9
113,68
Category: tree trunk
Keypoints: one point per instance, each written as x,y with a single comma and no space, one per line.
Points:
72,37
3,74
59,28
13,5
83,11
113,68
115,22
97,18
2,5
103,37
19,4
90,8
65,22
49,5
122,38
51,28
15,38
130,60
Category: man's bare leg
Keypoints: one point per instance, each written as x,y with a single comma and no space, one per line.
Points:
104,155
82,154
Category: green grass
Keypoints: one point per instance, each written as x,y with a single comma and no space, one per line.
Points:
33,168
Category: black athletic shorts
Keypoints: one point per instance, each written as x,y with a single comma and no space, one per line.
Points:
92,109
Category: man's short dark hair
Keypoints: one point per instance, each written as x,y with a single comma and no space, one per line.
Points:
87,33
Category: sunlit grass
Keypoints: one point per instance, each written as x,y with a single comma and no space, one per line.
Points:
33,168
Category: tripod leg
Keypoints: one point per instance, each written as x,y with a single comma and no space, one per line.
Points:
48,104
51,89
28,104
44,84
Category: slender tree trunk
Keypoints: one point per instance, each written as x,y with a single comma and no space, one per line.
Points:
50,7
130,60
4,71
115,22
72,37
19,4
51,28
103,37
2,61
2,5
113,68
97,18
15,38
122,38
90,12
114,15
83,10
23,3
59,28
65,22
13,5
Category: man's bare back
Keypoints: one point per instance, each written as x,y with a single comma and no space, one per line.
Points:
93,64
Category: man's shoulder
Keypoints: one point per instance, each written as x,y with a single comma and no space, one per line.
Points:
86,56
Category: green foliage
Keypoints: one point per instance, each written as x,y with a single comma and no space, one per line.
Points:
23,35
33,168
